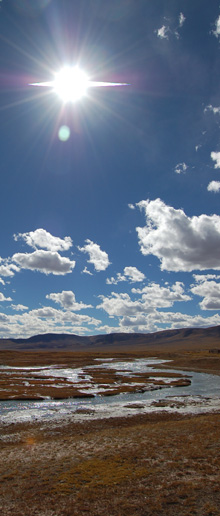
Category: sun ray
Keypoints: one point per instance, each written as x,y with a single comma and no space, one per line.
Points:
72,83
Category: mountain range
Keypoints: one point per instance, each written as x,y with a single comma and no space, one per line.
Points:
190,338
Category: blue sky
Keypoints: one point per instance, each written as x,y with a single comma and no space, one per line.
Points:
116,228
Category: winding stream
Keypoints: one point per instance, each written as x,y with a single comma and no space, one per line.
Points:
203,395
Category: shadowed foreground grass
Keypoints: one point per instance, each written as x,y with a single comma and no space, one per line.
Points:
139,466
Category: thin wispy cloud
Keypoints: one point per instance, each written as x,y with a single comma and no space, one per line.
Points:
212,109
180,168
171,28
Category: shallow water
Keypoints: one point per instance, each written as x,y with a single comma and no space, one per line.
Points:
201,396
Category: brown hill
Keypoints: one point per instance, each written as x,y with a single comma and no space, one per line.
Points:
185,338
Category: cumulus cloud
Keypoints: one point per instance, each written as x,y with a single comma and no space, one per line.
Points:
157,296
45,320
181,243
166,320
97,257
19,308
214,186
180,168
3,298
209,290
150,297
44,261
43,239
199,278
131,274
121,304
216,157
67,300
7,269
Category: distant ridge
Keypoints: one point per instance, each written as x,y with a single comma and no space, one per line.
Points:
181,338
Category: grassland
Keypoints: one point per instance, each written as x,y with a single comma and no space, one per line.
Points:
159,464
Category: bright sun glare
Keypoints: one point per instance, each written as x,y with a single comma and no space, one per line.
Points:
70,84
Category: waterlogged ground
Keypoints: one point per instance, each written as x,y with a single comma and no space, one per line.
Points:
103,377
104,388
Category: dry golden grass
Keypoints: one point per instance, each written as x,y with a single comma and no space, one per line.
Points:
141,466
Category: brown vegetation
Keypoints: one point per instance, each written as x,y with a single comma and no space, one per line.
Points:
141,466
148,465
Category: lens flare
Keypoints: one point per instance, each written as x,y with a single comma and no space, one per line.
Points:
64,133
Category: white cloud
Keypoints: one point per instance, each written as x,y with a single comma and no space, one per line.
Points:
67,300
19,308
162,33
86,271
97,257
131,274
214,186
170,320
131,206
45,320
180,168
44,261
150,297
3,298
182,19
216,32
181,243
157,296
210,291
121,304
7,269
204,277
46,312
216,157
43,239
2,281
215,110
171,29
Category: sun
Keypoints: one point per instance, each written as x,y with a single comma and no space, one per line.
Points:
70,84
